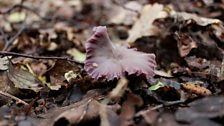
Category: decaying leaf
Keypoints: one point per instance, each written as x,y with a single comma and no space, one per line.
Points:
77,55
208,107
106,60
4,80
196,88
202,21
144,25
125,16
184,43
108,117
162,73
166,119
70,75
215,24
128,109
4,63
197,63
57,72
84,110
23,79
16,17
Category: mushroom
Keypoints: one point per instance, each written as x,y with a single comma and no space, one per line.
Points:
105,60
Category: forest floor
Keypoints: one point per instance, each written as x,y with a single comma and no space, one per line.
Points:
43,81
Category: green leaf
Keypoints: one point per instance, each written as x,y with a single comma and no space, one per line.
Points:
156,86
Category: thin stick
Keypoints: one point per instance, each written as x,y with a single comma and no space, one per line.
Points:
118,4
169,103
13,97
9,42
26,8
3,35
4,53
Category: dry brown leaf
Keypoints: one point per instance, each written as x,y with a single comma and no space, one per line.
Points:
4,80
125,16
202,21
166,119
76,110
197,63
23,79
128,109
205,108
144,25
108,117
215,24
57,73
184,43
85,112
149,115
196,88
163,73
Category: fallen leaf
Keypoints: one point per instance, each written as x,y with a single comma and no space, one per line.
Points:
166,119
16,17
108,117
215,24
4,63
39,68
144,25
128,109
149,116
82,111
196,88
23,79
184,43
218,31
70,75
77,55
156,86
205,108
57,72
163,73
204,122
202,21
124,16
197,63
4,80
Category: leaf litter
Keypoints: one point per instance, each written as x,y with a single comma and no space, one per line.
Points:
154,63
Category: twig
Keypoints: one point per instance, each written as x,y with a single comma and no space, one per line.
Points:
85,111
167,104
160,106
26,8
4,53
13,97
3,35
9,42
118,4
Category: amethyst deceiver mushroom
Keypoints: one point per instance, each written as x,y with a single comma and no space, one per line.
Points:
105,60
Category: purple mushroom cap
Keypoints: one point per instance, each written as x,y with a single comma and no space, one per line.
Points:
105,60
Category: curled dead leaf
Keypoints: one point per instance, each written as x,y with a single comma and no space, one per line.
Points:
23,79
144,25
196,88
184,43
